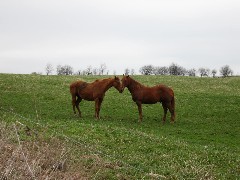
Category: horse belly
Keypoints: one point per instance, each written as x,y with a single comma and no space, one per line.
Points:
86,95
150,99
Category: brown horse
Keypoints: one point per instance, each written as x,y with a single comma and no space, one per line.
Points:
94,91
150,95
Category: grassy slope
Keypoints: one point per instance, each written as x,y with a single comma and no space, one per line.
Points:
204,143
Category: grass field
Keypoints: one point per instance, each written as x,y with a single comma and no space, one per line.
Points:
204,143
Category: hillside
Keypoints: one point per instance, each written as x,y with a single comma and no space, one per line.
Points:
202,144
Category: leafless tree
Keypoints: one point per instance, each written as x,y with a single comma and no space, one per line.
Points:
146,70
89,70
64,70
102,69
177,70
49,69
214,72
94,71
59,70
204,71
226,71
161,70
36,73
78,72
191,72
127,71
68,70
132,72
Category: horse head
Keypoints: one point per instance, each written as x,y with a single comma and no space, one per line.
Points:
125,82
117,84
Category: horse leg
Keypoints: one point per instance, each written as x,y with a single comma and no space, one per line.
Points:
96,108
139,104
165,109
77,105
99,106
173,113
74,103
171,109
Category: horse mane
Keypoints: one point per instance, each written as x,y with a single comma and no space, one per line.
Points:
135,84
102,80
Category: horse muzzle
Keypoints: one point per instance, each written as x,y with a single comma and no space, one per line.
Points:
121,90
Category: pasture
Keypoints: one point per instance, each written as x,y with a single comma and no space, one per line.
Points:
204,143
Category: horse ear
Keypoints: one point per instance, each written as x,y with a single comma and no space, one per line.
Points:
115,77
127,75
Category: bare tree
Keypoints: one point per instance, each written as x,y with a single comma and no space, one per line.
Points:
49,69
89,70
182,71
161,70
78,72
226,71
127,71
59,70
36,73
132,72
214,72
191,72
173,69
95,71
64,70
204,71
102,68
176,70
68,70
146,70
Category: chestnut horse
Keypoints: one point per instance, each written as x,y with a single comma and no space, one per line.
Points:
150,95
94,91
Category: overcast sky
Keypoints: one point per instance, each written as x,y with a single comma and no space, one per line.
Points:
120,33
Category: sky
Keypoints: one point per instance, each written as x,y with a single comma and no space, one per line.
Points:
120,33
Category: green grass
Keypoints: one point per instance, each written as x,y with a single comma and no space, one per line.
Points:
202,144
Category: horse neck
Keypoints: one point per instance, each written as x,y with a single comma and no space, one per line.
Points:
107,83
134,85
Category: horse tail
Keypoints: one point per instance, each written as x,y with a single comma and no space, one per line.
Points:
73,91
173,105
72,88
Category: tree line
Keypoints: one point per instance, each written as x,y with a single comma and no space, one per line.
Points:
177,70
68,70
173,69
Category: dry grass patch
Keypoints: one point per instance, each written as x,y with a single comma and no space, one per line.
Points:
26,155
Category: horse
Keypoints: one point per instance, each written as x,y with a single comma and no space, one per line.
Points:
150,95
94,91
